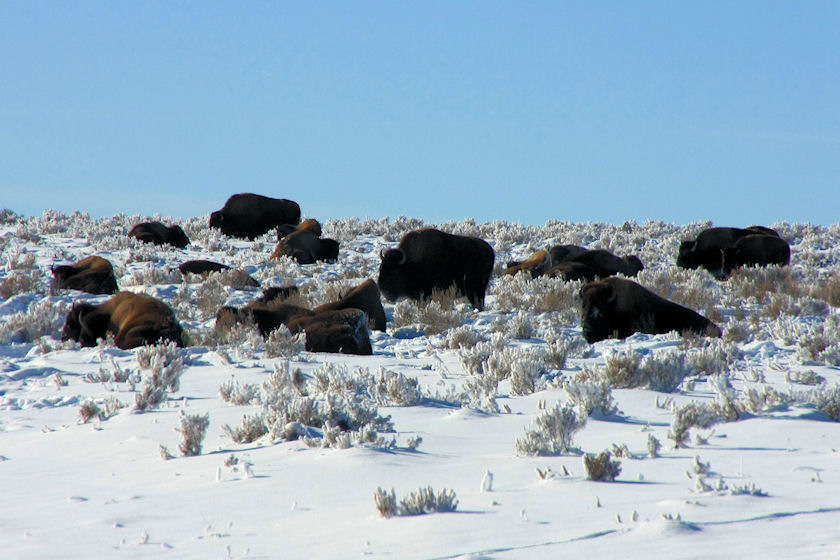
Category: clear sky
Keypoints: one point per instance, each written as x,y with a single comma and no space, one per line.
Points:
525,111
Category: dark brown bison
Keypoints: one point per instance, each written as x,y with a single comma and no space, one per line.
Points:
536,265
429,259
94,275
133,319
159,234
755,250
560,253
249,215
203,267
342,331
570,271
615,307
332,330
306,248
366,297
706,250
603,263
277,292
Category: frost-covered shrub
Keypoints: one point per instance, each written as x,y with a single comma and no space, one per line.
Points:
715,356
391,388
737,331
664,371
689,416
281,343
601,467
251,429
821,344
234,393
590,397
462,337
41,318
827,289
620,370
102,410
552,432
163,365
537,295
193,428
756,402
435,316
827,400
419,502
481,391
519,326
653,446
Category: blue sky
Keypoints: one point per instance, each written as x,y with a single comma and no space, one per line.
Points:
524,111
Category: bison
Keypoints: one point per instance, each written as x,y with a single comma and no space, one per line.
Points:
133,319
560,253
706,250
306,248
330,330
755,250
249,215
159,234
366,297
615,307
570,271
603,263
204,268
537,264
93,275
309,224
429,259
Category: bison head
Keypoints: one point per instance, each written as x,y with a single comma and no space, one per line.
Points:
177,237
217,218
635,264
597,306
392,274
687,256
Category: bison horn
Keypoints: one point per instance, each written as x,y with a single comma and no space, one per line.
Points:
381,255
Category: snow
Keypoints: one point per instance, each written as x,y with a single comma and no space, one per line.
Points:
102,489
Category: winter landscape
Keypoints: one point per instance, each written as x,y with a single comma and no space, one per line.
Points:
497,434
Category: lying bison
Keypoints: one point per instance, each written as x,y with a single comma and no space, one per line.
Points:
304,246
335,330
159,234
340,326
310,224
536,265
133,319
706,250
429,259
204,268
755,250
603,263
615,307
366,297
249,215
93,275
560,253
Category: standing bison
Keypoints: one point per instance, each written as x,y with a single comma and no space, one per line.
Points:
133,319
615,307
159,234
707,250
249,215
93,275
429,259
755,250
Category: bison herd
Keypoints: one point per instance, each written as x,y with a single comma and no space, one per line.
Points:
424,261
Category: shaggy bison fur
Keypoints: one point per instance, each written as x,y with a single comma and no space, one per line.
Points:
159,234
249,215
133,319
755,250
429,259
706,250
93,275
615,307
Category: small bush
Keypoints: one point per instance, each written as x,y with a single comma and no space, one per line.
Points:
600,467
193,428
552,432
590,397
420,502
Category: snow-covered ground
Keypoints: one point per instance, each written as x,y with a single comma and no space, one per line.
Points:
759,477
